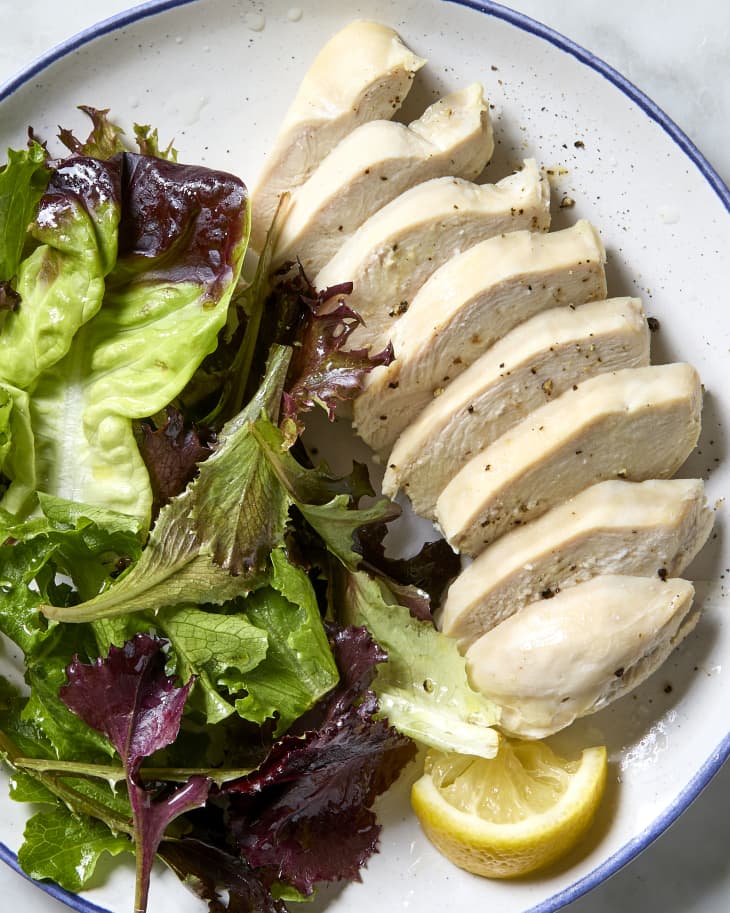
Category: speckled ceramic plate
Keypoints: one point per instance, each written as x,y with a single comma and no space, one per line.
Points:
218,76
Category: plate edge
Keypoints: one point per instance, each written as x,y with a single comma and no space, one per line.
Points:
524,22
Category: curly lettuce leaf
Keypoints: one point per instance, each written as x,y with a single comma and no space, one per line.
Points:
183,232
105,138
322,371
22,182
148,143
423,689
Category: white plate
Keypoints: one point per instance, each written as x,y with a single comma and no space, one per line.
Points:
202,72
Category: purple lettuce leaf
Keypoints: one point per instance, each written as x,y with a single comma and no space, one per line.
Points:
322,372
171,454
418,582
9,298
181,223
305,816
209,871
129,698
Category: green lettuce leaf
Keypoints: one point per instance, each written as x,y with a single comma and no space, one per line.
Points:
22,182
17,450
299,667
61,283
83,543
104,139
216,649
66,848
45,673
24,788
177,567
166,299
423,689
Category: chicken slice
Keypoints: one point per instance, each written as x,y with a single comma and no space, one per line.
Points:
375,163
640,528
563,658
465,307
394,252
532,364
635,424
362,73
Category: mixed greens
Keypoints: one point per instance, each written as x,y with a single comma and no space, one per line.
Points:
201,613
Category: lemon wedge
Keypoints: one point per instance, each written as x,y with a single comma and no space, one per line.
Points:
510,815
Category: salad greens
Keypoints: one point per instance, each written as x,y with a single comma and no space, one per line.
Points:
203,614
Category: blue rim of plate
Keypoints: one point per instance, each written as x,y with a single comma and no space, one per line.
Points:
151,8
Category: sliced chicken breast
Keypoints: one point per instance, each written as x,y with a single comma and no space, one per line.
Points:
376,162
645,529
395,251
532,364
363,73
635,424
563,658
466,306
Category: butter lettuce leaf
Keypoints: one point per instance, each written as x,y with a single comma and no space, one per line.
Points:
61,282
177,566
183,232
17,450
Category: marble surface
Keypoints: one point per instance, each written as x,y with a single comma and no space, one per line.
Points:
678,55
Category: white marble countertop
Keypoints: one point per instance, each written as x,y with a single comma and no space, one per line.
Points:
678,55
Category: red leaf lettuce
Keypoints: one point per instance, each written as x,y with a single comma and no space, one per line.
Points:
128,698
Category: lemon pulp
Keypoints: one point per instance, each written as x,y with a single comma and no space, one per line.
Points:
510,815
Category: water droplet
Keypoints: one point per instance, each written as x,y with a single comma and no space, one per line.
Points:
294,14
6,586
668,214
255,21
